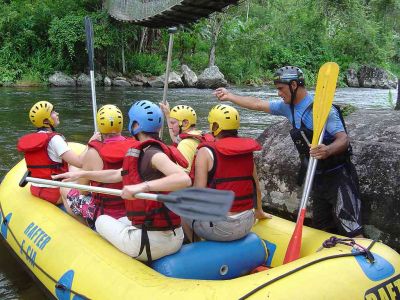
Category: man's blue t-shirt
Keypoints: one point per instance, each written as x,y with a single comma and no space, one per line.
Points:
280,108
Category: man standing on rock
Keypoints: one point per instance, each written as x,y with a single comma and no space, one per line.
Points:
336,201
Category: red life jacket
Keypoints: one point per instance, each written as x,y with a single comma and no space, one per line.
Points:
34,146
112,155
233,169
205,137
151,215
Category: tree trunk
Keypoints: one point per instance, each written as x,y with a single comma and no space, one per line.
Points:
248,9
123,59
397,107
142,38
123,55
216,27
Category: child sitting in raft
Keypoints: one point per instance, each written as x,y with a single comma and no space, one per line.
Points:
148,166
107,153
181,120
46,151
227,164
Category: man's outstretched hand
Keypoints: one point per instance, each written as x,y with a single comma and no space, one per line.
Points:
222,94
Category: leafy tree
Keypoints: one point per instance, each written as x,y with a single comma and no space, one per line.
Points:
39,37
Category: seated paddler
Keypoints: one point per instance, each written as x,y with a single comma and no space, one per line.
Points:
149,230
227,164
46,151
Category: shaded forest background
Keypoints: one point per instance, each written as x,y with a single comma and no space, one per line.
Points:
38,37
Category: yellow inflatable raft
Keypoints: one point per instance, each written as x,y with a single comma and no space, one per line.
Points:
73,262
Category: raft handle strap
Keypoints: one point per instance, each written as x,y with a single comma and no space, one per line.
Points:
356,253
333,241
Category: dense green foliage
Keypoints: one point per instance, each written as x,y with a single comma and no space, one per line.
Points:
39,37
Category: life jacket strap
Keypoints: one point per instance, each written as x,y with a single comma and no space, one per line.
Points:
145,243
55,166
107,199
244,197
229,179
142,213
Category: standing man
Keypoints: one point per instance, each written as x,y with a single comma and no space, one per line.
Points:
336,201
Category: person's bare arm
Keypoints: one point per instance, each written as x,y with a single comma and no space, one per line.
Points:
166,110
72,158
247,102
107,176
77,160
203,165
91,162
339,145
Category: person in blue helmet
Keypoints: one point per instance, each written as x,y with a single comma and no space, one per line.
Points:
336,197
150,230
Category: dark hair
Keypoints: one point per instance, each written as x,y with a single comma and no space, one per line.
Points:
153,135
228,133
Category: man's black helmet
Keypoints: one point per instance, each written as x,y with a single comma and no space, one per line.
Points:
288,74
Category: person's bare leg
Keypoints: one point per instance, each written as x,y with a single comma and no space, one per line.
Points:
64,192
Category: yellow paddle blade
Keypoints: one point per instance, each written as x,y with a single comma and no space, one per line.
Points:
324,93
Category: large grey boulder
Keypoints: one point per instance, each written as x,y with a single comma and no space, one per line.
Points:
211,78
61,79
121,82
189,77
371,77
174,81
84,79
141,79
352,79
375,137
107,81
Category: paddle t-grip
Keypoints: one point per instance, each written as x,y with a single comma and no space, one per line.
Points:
23,181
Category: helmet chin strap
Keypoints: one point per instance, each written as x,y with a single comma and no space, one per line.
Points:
293,94
45,128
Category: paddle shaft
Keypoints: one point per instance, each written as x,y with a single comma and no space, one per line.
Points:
94,105
89,188
312,166
171,31
90,50
294,247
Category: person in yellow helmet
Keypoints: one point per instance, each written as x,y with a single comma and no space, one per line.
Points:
227,164
181,121
104,154
46,151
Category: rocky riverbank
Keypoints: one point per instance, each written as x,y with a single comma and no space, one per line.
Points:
375,137
212,77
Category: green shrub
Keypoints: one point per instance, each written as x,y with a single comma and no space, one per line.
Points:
146,63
